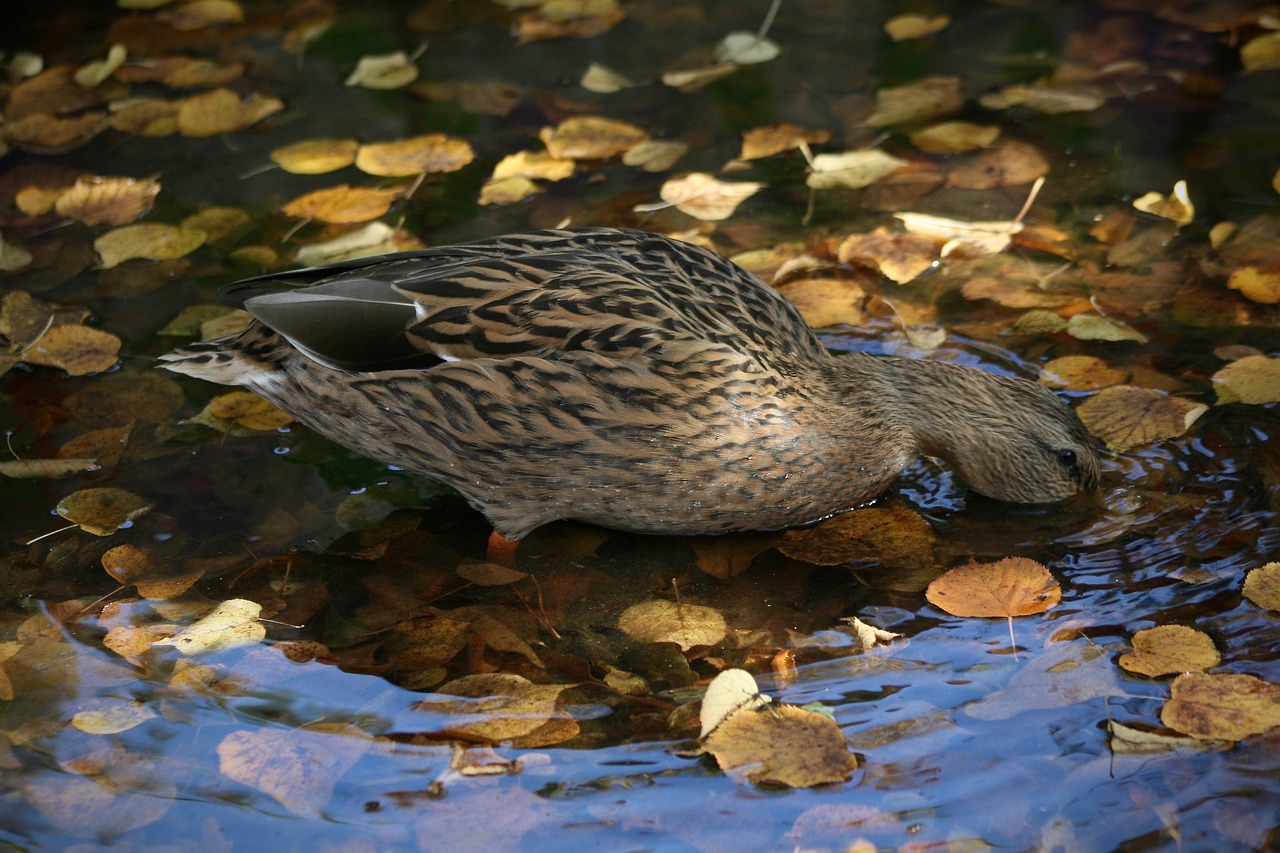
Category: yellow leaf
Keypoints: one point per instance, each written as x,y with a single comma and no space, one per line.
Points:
1014,586
431,153
1262,586
342,204
1224,706
1081,373
1177,207
901,257
905,27
95,72
387,71
1261,53
78,350
762,142
1167,649
199,14
924,99
102,511
113,718
826,302
590,138
223,111
884,535
704,197
231,624
316,156
852,169
784,746
662,621
1254,380
108,201
1260,284
604,81
249,410
655,155
1094,327
954,137
1125,417
533,164
151,240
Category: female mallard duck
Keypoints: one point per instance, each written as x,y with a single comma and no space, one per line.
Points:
623,379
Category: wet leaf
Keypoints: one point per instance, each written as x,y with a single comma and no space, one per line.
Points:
744,48
299,768
48,134
901,257
113,718
232,623
1261,53
731,691
150,117
198,14
13,257
704,197
590,138
248,410
928,98
906,27
1125,417
500,707
1254,380
220,224
784,746
152,241
1081,373
1223,706
154,578
1014,292
760,142
1066,674
655,155
662,621
556,19
1014,586
387,71
883,535
102,511
316,156
1260,284
1126,740
604,81
79,350
1262,586
72,803
852,169
1177,207
46,468
1051,100
490,574
1095,327
432,153
826,302
955,137
224,111
969,238
108,201
342,204
372,239
1167,649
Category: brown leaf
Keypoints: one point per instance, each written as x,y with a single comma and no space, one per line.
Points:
955,137
1014,292
199,14
1014,586
1177,207
662,621
78,350
108,201
45,467
47,134
784,745
1125,417
298,767
927,98
154,578
906,27
763,142
1262,586
224,111
901,257
500,707
1225,706
102,511
590,138
704,197
342,204
432,153
826,302
883,535
248,410
150,117
1168,649
655,155
316,156
1081,373
1012,163
535,26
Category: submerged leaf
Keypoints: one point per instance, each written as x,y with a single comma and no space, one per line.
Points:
662,621
232,623
297,767
102,511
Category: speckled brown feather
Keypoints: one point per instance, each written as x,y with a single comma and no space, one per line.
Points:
636,382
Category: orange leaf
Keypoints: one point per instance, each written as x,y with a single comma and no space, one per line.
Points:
1014,586
342,204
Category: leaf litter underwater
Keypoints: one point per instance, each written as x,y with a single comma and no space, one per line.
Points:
213,622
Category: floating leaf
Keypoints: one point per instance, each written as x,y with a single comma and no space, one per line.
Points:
46,468
113,718
901,257
94,73
198,14
431,153
1177,207
1259,284
1081,373
1261,53
388,71
500,707
905,27
590,138
316,156
731,691
1014,586
955,137
1094,327
924,99
1262,586
604,81
1254,380
852,169
78,350
297,767
102,511
972,238
1012,163
662,621
1127,740
248,410
655,155
533,164
1224,706
704,197
156,579
1051,100
108,201
342,204
43,133
372,239
743,48
1167,649
12,256
152,241
232,623
1125,417
224,111
785,746
149,117
762,142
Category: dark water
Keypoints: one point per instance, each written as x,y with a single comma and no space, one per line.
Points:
965,742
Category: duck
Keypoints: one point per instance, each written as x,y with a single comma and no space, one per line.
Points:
624,379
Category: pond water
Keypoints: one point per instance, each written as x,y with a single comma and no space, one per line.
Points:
339,722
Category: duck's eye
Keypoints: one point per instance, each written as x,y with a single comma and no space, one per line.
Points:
1067,457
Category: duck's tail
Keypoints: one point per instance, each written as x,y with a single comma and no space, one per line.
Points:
240,359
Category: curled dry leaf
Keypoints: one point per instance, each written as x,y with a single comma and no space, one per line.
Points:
1014,586
901,257
102,511
1254,380
224,111
342,204
852,169
884,535
1168,649
232,623
316,156
299,768
662,621
1225,706
388,71
704,197
108,201
152,241
1262,586
1125,417
1177,207
431,153
731,691
590,138
79,350
783,746
928,98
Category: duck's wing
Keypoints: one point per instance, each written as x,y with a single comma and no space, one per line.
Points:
619,294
